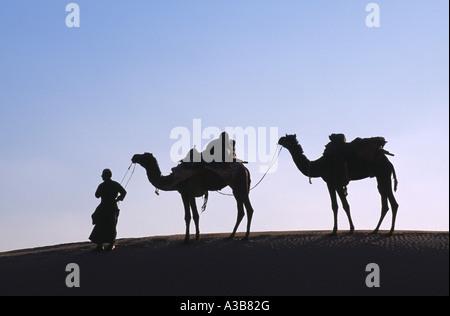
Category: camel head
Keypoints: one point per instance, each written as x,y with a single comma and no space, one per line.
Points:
144,159
288,140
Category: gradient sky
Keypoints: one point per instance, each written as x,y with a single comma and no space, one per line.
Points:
76,100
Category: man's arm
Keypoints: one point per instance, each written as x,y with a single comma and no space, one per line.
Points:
122,192
98,193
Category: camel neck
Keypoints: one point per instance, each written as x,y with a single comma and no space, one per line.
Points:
156,178
153,173
306,166
153,177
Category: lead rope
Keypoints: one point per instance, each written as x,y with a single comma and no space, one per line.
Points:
126,175
134,167
268,169
131,175
274,159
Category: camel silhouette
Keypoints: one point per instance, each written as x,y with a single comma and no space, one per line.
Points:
364,158
196,182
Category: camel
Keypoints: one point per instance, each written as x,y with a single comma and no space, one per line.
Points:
358,167
196,182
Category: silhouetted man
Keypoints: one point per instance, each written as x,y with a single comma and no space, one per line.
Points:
220,149
218,152
107,213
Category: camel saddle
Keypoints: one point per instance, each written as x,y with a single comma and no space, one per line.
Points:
226,170
194,163
364,149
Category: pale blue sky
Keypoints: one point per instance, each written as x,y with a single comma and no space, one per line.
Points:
76,100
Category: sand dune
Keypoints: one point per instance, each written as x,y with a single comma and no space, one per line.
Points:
270,263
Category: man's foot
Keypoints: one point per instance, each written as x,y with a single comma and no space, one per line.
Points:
110,247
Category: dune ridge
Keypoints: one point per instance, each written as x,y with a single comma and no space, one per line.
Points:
269,264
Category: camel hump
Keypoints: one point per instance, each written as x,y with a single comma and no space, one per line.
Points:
336,147
225,170
337,138
181,173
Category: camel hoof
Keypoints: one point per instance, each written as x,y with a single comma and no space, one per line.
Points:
245,238
332,234
374,232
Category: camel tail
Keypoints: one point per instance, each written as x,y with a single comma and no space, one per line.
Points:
249,181
205,201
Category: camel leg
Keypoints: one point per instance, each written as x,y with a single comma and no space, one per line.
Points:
334,207
394,206
384,210
385,189
346,207
196,217
187,215
240,216
249,208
